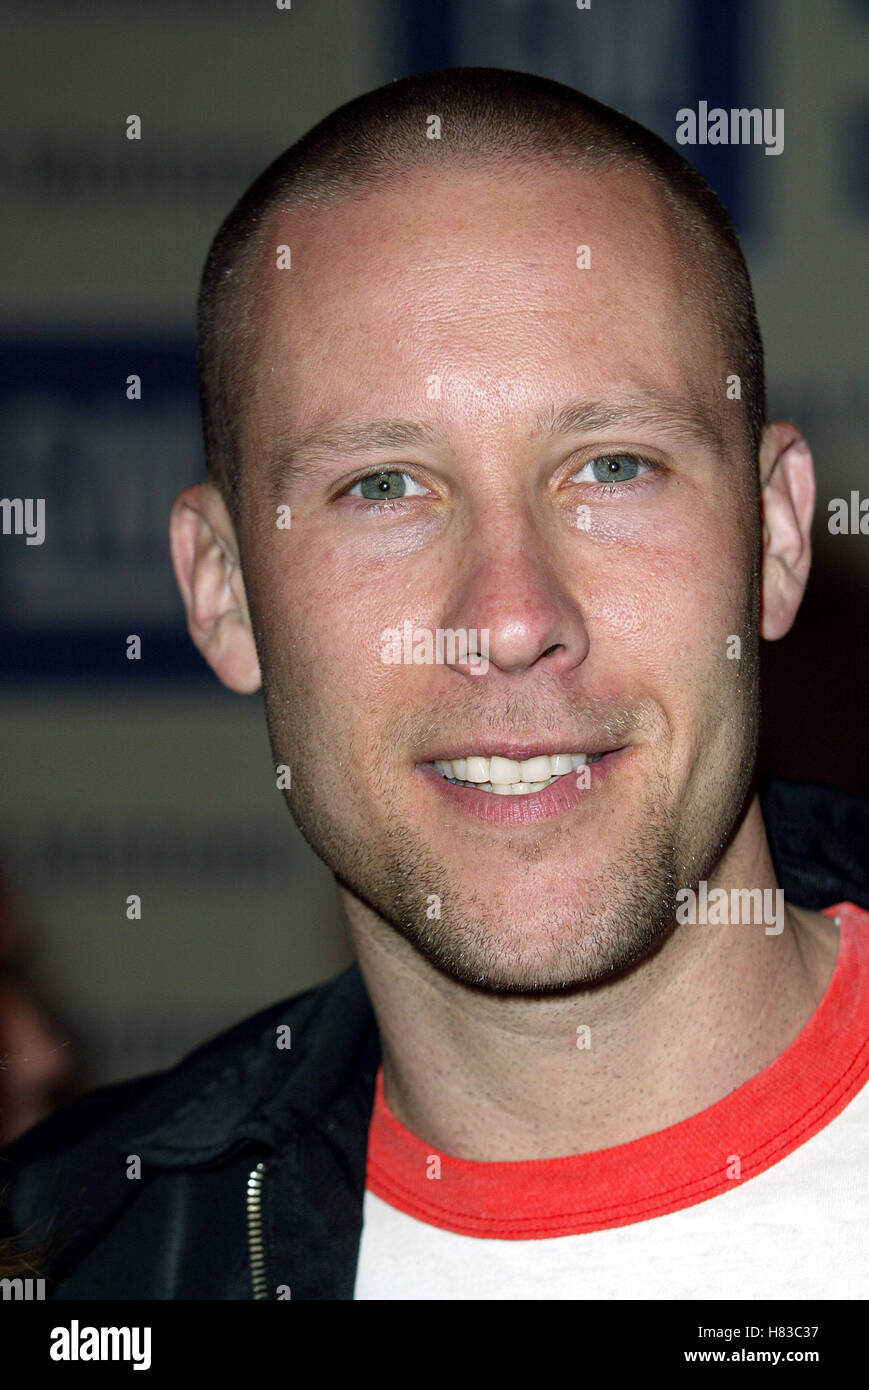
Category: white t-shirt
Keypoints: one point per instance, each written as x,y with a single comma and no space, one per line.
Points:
763,1195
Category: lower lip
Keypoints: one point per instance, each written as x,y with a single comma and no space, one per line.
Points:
527,808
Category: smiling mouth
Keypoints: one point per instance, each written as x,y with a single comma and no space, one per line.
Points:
506,777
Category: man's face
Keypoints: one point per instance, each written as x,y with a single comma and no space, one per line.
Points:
607,554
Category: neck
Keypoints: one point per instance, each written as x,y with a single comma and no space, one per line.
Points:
496,1077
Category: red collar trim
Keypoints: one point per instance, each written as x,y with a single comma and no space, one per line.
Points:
762,1121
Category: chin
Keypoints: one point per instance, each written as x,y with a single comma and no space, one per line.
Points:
570,949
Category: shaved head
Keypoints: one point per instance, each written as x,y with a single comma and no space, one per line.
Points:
504,122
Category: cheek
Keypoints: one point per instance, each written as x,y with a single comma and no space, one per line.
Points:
671,604
324,620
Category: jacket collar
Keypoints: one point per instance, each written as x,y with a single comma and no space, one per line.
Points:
243,1089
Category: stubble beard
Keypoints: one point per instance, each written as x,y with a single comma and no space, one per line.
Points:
600,927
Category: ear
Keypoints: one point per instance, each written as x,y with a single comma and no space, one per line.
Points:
787,483
205,558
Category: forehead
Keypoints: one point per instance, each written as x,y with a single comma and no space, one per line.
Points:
510,289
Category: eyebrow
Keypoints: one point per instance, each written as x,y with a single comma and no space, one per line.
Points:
293,457
651,410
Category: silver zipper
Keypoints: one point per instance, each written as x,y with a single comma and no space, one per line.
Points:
255,1232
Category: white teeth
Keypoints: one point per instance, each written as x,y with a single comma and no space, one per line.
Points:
477,770
535,769
506,777
503,771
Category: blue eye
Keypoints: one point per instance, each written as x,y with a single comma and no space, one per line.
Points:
614,468
387,486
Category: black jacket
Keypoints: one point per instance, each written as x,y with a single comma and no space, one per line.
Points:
252,1155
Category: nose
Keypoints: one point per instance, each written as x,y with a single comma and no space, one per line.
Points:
515,589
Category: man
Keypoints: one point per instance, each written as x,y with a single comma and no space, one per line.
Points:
495,517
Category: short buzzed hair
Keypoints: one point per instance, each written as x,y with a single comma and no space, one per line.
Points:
489,118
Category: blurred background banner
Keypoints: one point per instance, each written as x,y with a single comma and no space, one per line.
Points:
647,59
108,469
145,776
